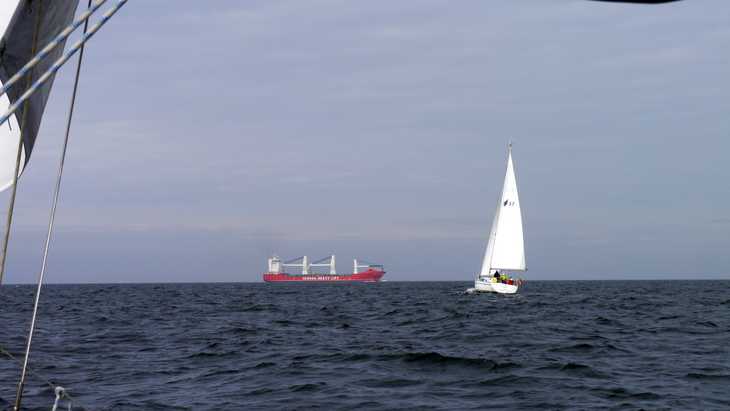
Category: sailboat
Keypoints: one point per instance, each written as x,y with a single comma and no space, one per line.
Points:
506,245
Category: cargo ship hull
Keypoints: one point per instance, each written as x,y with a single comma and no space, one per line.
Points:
368,276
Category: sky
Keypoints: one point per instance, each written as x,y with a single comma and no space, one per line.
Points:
209,135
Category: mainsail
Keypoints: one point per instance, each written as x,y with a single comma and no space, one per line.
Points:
506,247
25,27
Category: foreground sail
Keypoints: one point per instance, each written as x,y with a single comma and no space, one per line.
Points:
25,27
506,245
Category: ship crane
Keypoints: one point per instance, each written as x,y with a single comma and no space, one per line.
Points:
330,262
302,261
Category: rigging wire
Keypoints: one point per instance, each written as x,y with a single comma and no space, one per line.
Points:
35,374
62,60
60,38
56,193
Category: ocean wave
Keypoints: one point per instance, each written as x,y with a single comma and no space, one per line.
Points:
586,348
608,321
434,358
575,369
577,348
708,377
307,387
624,394
211,354
388,382
509,381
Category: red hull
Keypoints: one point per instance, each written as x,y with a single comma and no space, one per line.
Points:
369,276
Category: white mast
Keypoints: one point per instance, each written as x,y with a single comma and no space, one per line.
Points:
506,247
333,271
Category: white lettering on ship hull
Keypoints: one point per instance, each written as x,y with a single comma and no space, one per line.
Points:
323,278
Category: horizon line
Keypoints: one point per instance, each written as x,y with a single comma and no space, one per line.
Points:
352,282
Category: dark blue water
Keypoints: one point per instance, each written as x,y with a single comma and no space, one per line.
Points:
557,345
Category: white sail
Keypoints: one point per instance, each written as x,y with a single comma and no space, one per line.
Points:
506,246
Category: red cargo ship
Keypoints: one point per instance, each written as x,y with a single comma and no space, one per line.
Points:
366,273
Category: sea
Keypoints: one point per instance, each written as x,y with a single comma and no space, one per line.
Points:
572,345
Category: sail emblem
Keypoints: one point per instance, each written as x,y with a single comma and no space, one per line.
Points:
508,203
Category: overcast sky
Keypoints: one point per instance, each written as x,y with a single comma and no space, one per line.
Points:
209,135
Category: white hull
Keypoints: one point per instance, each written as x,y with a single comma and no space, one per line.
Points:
489,287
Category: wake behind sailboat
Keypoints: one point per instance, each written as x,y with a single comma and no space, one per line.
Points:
506,245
